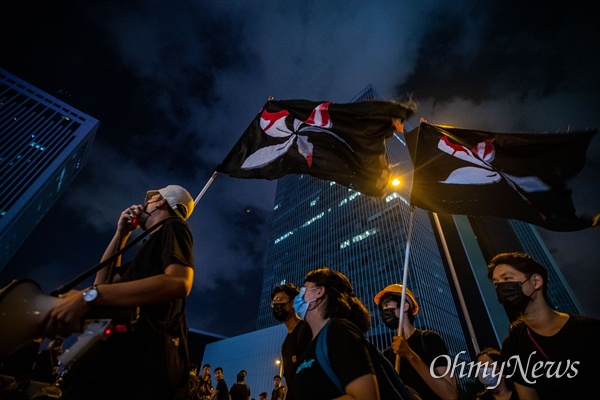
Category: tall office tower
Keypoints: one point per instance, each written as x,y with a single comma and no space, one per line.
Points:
319,223
559,292
44,143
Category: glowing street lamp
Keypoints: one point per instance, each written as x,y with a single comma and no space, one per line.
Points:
280,365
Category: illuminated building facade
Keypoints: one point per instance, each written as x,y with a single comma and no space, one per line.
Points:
319,223
44,143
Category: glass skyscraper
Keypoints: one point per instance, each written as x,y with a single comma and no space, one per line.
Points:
559,292
320,223
44,143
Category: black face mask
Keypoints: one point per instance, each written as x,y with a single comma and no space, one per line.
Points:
389,318
511,296
143,217
279,312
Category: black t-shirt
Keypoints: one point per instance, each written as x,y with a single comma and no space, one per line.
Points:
140,356
171,244
223,392
291,352
427,345
348,356
573,353
277,394
239,391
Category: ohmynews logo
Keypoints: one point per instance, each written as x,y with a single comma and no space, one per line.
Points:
529,371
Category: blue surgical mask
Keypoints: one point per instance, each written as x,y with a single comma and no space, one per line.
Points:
488,378
300,305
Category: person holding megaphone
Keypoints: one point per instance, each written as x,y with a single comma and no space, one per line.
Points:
149,361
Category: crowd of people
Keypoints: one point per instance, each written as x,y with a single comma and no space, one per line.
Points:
325,354
201,387
326,302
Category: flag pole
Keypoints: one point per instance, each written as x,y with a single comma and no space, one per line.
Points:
405,279
461,299
212,178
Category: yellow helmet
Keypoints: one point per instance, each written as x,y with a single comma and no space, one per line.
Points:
397,290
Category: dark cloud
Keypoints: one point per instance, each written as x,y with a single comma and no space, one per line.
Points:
175,84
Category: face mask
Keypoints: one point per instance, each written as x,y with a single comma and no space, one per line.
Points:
144,215
300,305
489,380
389,318
510,295
279,312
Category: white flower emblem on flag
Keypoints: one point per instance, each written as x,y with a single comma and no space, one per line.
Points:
274,125
484,174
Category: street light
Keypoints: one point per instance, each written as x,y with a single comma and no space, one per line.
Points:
280,365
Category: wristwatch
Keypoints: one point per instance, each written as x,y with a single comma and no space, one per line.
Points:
90,294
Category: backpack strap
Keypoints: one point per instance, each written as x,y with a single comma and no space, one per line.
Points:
322,353
390,384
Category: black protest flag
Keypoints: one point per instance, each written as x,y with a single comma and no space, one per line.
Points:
344,143
518,176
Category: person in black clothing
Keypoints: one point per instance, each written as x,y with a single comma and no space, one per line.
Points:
417,348
220,392
153,357
239,390
278,392
559,345
205,389
193,382
299,333
327,299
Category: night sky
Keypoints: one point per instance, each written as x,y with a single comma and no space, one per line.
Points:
175,83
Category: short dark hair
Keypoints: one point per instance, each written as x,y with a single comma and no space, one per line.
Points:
206,365
523,263
276,377
263,394
289,288
218,369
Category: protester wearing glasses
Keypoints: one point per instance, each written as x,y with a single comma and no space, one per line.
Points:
328,304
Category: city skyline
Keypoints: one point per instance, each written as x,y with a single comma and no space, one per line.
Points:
175,86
